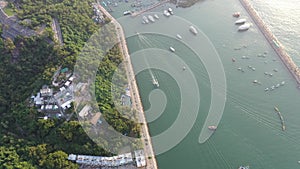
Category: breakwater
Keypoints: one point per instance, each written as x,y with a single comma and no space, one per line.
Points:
276,45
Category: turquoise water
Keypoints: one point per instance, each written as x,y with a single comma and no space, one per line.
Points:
249,132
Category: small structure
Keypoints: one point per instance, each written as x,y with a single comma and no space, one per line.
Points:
84,111
96,118
46,91
140,158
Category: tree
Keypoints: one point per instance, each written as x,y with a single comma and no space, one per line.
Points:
58,160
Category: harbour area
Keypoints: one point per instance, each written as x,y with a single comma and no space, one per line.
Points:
249,123
135,99
278,48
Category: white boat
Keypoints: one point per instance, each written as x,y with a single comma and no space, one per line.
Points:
277,85
267,89
155,82
172,49
272,87
145,19
166,13
282,83
156,16
178,36
244,167
170,11
127,13
212,128
193,30
150,17
240,21
244,27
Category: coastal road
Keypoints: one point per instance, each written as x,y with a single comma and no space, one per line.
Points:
136,101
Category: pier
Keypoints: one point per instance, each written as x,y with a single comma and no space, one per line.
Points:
149,8
135,97
278,48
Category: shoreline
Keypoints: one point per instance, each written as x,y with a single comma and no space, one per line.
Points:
135,96
273,41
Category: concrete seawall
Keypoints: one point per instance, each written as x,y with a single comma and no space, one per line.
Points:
135,97
279,49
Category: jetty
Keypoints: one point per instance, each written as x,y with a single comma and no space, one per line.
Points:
136,100
273,41
149,8
281,118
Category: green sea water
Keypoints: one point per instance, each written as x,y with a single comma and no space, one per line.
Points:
249,132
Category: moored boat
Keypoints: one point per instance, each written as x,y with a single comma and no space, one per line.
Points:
276,109
127,13
236,14
172,49
145,19
244,167
244,27
150,17
156,16
240,21
170,10
212,128
193,30
178,36
166,13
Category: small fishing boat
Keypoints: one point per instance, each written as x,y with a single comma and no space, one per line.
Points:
150,17
166,13
244,167
212,128
236,14
172,49
156,16
240,21
276,109
193,30
272,87
267,89
244,27
170,10
178,36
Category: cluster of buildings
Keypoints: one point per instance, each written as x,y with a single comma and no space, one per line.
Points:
137,158
54,103
98,15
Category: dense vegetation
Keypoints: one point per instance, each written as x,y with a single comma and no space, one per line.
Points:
26,141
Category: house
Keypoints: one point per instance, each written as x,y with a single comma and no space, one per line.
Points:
84,111
96,118
46,91
140,158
